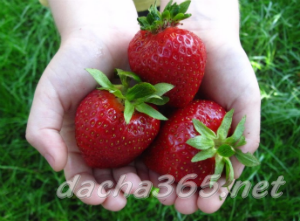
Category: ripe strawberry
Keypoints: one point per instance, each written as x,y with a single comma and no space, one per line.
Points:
161,52
179,150
108,130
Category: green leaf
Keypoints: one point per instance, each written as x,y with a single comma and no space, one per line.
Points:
162,88
128,74
115,92
219,164
247,159
229,172
178,17
140,90
158,100
203,129
128,112
150,111
241,142
186,16
153,14
174,10
101,78
170,17
150,18
183,7
204,154
143,23
200,142
225,150
238,132
218,168
165,15
222,131
147,99
168,6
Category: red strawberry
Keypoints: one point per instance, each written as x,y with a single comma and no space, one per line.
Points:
104,135
161,52
179,150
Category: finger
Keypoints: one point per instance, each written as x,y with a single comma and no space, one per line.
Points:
166,197
44,123
142,170
112,202
76,166
187,205
210,199
250,108
115,202
131,180
104,175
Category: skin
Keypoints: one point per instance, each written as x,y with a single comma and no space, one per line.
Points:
88,40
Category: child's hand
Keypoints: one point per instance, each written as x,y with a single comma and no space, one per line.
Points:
97,43
229,80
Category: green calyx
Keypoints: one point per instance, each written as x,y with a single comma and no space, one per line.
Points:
221,147
136,97
170,17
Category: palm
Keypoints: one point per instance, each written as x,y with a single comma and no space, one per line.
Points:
61,88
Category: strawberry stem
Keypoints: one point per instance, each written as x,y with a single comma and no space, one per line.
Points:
170,17
136,97
221,147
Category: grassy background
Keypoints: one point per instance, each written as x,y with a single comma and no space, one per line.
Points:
270,34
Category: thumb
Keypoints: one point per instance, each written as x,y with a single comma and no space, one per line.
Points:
44,125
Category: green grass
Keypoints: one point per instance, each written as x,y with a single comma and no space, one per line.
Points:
270,34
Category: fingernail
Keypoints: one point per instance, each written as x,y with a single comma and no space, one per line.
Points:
50,159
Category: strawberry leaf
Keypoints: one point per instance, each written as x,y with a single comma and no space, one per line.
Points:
115,92
170,17
238,132
174,10
158,100
225,150
200,142
241,142
126,76
218,169
143,23
162,88
178,17
229,172
203,130
147,109
140,90
246,158
165,15
101,78
154,14
222,131
128,112
183,7
204,154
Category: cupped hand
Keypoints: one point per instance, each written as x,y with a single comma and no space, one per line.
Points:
229,80
65,83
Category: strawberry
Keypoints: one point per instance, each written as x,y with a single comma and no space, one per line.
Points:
194,140
162,52
114,125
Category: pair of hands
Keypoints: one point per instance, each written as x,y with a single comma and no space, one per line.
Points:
101,43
